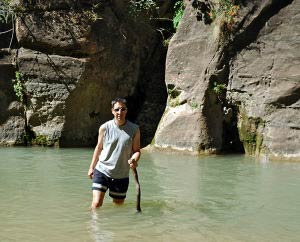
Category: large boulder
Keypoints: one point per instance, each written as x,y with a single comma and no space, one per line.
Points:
265,81
193,118
256,58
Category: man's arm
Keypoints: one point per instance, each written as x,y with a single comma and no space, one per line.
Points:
136,150
97,151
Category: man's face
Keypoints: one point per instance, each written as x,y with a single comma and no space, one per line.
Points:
119,111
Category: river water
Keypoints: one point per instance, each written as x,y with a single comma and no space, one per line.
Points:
45,196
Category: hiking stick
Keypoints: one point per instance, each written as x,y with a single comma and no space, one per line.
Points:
138,190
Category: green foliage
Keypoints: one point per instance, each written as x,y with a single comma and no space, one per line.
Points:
30,138
19,88
138,7
173,92
7,16
219,88
194,105
6,11
41,140
179,9
93,13
228,10
166,42
174,102
224,10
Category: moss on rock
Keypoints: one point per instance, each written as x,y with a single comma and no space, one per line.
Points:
250,133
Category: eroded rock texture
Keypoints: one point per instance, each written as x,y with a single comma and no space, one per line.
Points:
233,85
265,81
11,111
75,57
257,61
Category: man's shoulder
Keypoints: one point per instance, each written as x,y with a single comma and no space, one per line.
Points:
107,124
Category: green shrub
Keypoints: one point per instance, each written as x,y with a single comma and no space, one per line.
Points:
173,95
174,102
6,11
19,88
173,92
226,11
138,7
219,88
41,140
179,9
194,105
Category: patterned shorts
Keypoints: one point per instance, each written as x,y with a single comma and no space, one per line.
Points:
117,187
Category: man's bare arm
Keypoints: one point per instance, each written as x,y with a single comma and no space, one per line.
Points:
97,151
136,150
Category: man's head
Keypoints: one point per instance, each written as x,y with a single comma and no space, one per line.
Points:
118,100
119,110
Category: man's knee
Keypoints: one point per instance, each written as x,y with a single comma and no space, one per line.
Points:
96,204
118,201
98,197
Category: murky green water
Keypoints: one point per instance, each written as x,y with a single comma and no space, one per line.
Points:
45,196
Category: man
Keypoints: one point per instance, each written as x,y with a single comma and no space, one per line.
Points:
117,150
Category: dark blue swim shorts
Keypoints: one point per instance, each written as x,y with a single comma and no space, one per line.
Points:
117,187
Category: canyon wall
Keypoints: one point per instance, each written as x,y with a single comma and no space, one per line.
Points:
228,82
234,86
73,58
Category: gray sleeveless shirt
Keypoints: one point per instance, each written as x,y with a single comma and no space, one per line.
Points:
117,149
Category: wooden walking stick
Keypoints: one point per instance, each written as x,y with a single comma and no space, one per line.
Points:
138,190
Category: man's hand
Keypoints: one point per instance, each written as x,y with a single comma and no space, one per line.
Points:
133,163
91,173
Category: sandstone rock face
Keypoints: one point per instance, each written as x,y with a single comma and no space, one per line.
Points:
192,121
49,81
75,57
265,80
61,32
258,62
230,86
11,112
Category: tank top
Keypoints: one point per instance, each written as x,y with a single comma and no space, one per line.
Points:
117,149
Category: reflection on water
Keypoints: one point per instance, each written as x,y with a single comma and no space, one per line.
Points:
97,232
45,196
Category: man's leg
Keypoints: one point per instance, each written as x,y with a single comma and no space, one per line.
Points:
99,187
98,197
118,201
118,189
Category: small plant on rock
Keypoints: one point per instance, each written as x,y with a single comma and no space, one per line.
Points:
179,9
7,16
194,105
19,88
225,10
137,8
219,88
173,95
6,11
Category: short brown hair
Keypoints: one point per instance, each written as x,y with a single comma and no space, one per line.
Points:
118,100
